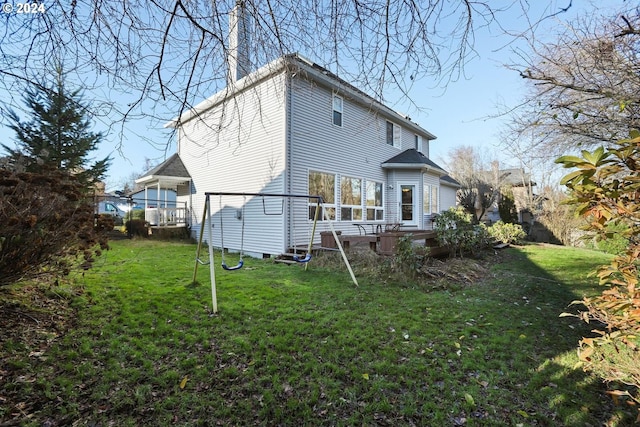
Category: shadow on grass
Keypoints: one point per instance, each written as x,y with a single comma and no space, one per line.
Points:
295,347
547,279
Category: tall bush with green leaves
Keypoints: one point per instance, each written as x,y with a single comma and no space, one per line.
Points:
507,207
455,229
507,233
605,189
615,244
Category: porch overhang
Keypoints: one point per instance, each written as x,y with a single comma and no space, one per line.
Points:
414,166
163,181
412,159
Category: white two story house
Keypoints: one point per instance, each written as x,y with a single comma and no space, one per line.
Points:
293,127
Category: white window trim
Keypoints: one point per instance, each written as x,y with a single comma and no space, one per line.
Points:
397,134
352,207
434,189
326,205
334,110
376,208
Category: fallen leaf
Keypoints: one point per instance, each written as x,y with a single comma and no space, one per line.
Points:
365,376
183,383
469,399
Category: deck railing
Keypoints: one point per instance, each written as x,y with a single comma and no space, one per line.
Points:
164,217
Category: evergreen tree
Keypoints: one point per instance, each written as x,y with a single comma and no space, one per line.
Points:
507,207
57,135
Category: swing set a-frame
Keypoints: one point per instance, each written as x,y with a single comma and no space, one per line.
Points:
207,217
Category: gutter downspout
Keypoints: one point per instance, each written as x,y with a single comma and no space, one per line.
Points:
289,217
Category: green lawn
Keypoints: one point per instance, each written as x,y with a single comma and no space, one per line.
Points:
295,347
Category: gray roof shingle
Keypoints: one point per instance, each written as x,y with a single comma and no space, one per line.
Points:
173,166
412,156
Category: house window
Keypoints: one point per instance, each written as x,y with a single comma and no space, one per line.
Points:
430,199
337,110
435,199
350,199
375,206
426,198
322,184
417,142
393,134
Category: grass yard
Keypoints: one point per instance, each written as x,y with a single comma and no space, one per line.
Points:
294,347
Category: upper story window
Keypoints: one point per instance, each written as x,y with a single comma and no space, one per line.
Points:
337,110
417,142
393,134
322,184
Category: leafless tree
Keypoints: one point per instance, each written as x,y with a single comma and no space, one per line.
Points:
154,58
584,87
480,180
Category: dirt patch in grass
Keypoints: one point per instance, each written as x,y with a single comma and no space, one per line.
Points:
32,318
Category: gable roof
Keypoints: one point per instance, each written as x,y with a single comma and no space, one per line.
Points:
412,159
447,180
293,64
170,168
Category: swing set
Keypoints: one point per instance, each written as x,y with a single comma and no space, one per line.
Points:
207,219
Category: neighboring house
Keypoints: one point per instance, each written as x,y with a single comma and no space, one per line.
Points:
522,187
153,198
159,195
293,127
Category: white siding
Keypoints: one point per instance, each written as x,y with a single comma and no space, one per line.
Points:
239,146
447,197
357,149
267,139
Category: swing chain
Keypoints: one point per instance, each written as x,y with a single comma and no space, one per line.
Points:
241,261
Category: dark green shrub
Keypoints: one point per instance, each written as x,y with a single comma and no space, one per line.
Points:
408,257
615,242
137,228
137,214
507,207
455,230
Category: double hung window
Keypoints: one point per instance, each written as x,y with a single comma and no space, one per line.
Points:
322,184
393,134
350,199
374,202
337,110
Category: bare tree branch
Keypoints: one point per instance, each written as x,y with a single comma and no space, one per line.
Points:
157,58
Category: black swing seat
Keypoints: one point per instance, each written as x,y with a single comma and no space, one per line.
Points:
237,267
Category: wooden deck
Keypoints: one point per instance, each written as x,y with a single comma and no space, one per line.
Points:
385,243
